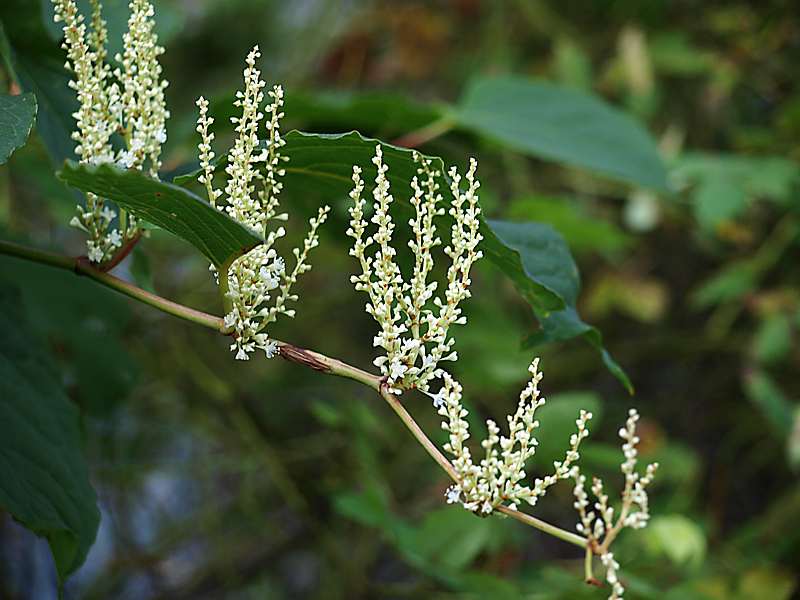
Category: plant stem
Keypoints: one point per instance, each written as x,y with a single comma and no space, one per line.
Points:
302,356
122,254
394,401
82,266
326,364
588,573
425,134
562,534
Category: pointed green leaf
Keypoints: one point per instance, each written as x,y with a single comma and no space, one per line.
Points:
17,114
44,480
558,123
36,63
173,208
542,250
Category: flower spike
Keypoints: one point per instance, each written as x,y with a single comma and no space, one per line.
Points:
128,100
250,197
414,334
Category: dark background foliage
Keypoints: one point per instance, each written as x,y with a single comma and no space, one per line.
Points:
218,478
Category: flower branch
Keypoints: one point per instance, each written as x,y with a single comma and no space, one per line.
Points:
290,352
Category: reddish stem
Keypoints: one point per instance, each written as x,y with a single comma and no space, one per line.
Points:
123,253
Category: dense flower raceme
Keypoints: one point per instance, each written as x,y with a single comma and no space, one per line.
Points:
413,335
127,100
498,479
250,197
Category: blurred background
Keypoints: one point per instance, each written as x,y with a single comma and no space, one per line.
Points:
224,479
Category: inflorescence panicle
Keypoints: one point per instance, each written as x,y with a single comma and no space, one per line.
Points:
250,196
128,100
598,522
498,478
414,334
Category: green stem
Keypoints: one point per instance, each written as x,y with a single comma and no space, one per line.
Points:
393,400
326,364
82,266
588,573
302,356
557,532
224,283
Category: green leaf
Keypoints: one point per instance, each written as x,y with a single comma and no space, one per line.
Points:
678,538
793,443
541,250
770,399
773,339
452,538
379,113
17,114
44,481
718,200
173,208
85,328
583,231
36,63
562,124
532,255
724,185
730,283
323,164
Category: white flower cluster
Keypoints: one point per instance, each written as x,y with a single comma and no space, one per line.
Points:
250,196
598,524
498,478
128,100
414,335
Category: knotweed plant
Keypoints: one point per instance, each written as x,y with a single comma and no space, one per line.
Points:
498,479
414,335
250,196
121,120
122,114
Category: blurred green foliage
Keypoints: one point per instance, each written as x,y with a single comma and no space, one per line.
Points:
259,480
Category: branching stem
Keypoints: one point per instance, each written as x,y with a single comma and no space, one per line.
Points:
302,356
122,253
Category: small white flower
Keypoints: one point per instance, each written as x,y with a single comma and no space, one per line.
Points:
498,478
95,254
271,349
453,495
397,370
115,239
108,214
439,398
269,277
